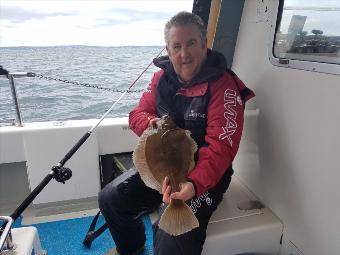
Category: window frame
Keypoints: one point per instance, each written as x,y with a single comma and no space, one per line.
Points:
313,66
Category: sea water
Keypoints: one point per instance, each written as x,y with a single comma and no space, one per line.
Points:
115,68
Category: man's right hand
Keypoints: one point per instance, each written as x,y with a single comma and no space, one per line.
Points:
153,122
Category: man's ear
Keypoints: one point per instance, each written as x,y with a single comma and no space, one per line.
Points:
205,43
167,49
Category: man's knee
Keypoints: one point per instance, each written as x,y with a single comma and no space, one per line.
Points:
107,197
188,243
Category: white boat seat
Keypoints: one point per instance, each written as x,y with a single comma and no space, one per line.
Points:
233,231
27,241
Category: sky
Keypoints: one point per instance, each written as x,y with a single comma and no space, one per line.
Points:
119,23
86,22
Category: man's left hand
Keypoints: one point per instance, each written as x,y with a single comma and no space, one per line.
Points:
187,191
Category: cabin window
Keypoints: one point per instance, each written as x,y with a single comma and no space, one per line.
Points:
307,35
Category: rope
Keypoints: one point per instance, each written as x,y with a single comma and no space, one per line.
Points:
84,84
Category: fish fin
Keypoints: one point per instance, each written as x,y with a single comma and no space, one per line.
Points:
193,150
192,165
178,219
193,143
140,162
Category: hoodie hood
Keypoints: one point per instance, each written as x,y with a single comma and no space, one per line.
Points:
211,69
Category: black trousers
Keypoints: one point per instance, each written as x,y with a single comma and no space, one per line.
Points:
124,201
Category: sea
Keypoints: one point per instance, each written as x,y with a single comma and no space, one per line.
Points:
74,82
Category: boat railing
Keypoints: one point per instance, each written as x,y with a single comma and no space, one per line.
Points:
11,77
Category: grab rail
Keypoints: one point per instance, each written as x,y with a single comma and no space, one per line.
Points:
11,77
5,235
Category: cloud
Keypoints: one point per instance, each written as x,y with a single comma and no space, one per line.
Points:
20,15
85,22
118,16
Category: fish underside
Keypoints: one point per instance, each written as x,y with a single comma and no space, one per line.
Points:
168,151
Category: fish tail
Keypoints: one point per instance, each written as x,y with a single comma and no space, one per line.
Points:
178,218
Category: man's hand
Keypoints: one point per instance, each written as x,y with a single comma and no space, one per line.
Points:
187,191
153,122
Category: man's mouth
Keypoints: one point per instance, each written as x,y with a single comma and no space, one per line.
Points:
186,63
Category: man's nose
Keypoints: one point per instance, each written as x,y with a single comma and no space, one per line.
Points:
184,52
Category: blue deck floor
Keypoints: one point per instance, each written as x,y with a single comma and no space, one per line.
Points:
66,237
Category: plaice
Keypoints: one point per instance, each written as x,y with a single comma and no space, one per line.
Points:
167,151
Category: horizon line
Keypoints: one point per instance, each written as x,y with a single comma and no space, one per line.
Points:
79,45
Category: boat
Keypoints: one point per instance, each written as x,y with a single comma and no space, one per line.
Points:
284,196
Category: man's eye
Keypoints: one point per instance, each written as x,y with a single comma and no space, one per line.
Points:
191,43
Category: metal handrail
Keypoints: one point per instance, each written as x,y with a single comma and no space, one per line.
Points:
5,236
11,77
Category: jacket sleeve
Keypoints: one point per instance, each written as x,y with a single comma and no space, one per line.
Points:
146,110
224,129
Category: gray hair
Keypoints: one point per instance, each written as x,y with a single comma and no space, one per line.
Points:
184,19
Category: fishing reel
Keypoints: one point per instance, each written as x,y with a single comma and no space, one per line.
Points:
61,174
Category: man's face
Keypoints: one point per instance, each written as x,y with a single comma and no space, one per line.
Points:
186,51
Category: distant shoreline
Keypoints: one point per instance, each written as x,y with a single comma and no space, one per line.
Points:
87,46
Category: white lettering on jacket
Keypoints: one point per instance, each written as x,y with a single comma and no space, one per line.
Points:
230,114
196,203
194,114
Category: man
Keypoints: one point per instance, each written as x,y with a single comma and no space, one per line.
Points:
194,88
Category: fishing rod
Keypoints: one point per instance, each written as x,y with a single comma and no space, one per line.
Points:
58,172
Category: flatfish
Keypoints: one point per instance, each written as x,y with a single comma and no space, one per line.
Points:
168,151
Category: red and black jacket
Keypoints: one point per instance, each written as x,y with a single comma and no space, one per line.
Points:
212,108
